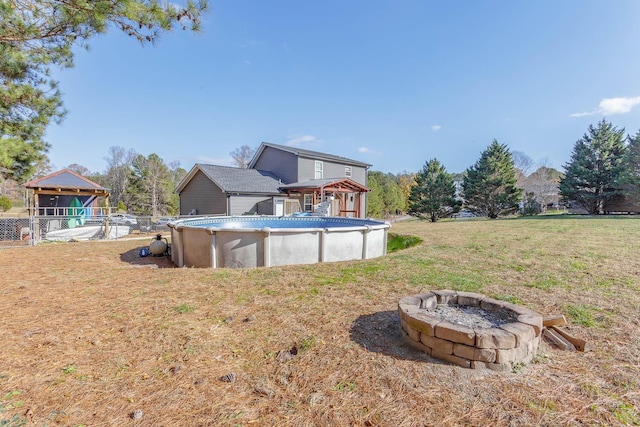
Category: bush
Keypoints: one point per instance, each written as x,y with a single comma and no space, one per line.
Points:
396,242
530,205
5,203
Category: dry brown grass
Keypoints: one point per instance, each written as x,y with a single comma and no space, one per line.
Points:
89,333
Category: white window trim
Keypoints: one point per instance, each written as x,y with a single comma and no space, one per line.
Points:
348,171
307,203
318,169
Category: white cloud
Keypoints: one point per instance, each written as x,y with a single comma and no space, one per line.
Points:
299,141
436,128
611,106
366,150
583,114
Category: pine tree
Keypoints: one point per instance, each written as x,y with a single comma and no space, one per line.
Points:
593,176
38,34
150,186
630,179
385,196
489,187
434,194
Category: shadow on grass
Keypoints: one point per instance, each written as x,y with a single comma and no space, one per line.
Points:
380,333
133,258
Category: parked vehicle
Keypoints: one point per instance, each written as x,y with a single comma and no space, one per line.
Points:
161,223
163,220
123,219
464,214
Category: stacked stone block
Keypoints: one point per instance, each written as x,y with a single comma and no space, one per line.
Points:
497,348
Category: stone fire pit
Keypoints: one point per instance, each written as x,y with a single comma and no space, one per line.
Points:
470,330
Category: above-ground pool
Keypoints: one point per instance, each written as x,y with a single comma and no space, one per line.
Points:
246,241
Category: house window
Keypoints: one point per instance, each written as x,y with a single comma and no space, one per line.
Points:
318,169
347,171
308,203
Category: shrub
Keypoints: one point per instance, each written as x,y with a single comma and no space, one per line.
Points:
5,203
396,242
530,205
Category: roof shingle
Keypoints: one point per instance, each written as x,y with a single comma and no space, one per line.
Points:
236,180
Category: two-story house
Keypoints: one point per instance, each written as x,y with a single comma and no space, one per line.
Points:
279,180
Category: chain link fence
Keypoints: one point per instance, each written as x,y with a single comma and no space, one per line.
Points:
15,231
37,229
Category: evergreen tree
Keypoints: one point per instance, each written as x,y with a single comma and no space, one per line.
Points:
37,34
176,175
433,195
385,196
150,186
489,187
631,173
375,204
593,176
406,180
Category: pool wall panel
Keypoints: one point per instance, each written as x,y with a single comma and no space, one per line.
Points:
198,247
240,249
343,245
298,248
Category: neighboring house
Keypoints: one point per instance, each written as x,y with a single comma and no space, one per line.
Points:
280,180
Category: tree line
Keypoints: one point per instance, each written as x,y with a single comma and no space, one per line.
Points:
602,176
138,184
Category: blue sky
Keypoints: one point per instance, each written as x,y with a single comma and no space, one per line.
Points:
390,83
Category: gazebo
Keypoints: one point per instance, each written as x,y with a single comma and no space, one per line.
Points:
66,194
56,194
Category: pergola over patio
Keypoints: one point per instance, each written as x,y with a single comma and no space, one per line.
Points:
346,192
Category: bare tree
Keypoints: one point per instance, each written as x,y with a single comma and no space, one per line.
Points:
79,169
242,156
543,183
523,165
119,163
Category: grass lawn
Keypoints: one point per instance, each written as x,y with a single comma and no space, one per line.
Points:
91,333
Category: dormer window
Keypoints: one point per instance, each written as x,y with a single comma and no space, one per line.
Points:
347,171
318,169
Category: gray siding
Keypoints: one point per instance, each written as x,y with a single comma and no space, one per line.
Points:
281,163
359,175
204,196
307,170
250,204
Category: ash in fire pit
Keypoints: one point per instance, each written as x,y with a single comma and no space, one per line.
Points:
470,329
473,317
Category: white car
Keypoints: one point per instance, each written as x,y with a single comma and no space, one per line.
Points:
123,219
163,220
161,223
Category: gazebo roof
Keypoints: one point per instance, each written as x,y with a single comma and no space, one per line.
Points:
66,181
